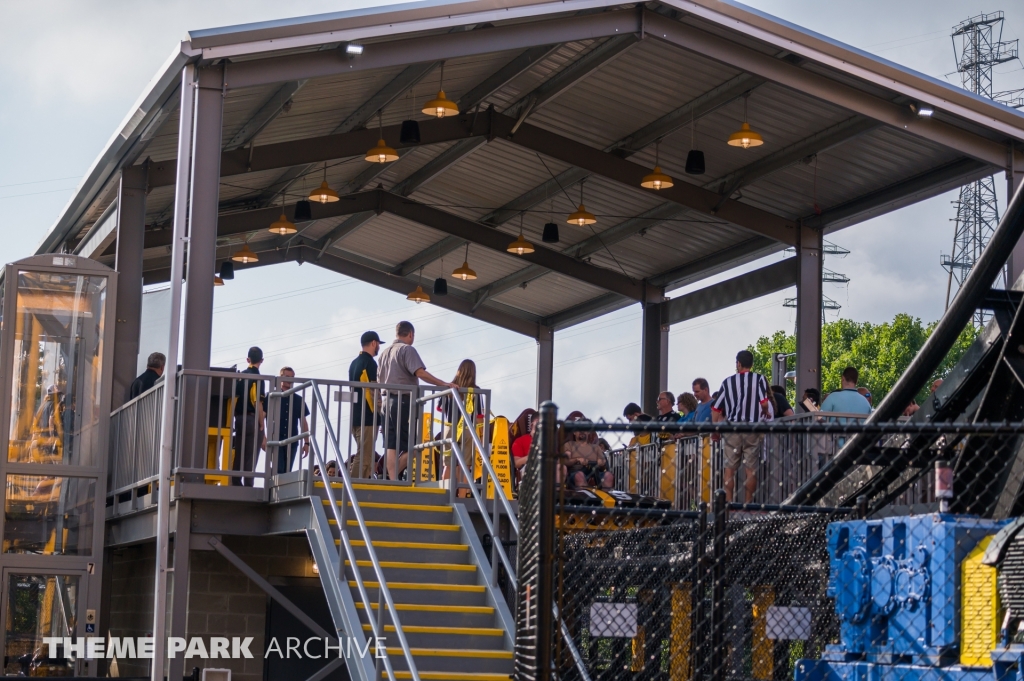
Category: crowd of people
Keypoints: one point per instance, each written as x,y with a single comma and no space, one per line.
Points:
387,413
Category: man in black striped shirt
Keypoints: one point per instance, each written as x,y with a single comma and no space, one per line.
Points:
743,398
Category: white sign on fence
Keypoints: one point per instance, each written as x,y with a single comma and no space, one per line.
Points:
613,620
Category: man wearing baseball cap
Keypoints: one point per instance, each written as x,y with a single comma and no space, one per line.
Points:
365,411
250,434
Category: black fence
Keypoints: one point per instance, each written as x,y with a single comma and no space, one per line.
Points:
898,558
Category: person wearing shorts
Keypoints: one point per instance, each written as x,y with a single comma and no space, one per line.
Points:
743,398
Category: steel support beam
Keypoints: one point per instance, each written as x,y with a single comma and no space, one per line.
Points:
653,353
1014,177
808,310
203,208
760,282
898,195
630,174
518,111
432,48
817,143
499,241
270,110
707,44
545,363
131,227
179,582
695,109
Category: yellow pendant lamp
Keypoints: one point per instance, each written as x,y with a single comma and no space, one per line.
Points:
520,246
381,153
745,137
323,193
465,273
283,225
582,216
656,179
441,106
245,255
217,281
419,295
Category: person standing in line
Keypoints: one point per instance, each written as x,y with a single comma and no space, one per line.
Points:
365,415
743,398
702,392
459,428
687,408
250,420
847,399
400,364
291,418
783,408
147,379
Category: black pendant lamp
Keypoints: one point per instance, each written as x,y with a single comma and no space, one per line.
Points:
227,270
694,159
440,284
303,211
550,235
410,131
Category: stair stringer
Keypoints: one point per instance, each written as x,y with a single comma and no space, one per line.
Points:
338,594
494,596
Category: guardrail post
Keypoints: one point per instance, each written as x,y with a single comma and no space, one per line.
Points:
548,449
700,613
718,604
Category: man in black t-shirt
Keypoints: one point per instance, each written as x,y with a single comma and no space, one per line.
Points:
290,422
365,412
250,434
154,370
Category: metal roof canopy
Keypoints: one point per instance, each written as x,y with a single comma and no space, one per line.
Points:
552,94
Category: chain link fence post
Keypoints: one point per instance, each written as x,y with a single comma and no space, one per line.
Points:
719,653
548,431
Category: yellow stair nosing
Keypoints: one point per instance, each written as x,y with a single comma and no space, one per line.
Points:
411,545
428,607
408,507
452,631
385,488
423,586
403,565
451,652
402,525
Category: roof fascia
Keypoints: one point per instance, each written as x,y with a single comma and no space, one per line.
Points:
857,63
360,26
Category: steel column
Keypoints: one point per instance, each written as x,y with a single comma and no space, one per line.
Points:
179,588
545,363
654,353
1015,263
808,310
202,242
131,225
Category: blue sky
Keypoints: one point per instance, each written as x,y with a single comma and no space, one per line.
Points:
71,70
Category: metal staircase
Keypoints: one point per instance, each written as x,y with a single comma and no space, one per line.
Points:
404,565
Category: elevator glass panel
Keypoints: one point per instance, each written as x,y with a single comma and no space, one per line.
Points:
57,370
38,606
49,515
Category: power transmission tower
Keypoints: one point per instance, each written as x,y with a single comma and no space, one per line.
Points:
827,277
979,45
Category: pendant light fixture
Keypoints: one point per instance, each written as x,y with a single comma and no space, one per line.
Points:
217,281
245,255
418,295
550,235
581,217
283,225
441,106
381,153
303,211
520,246
656,179
227,270
694,159
745,137
410,128
465,273
441,284
323,193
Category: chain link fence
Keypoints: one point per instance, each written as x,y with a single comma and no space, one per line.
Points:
811,551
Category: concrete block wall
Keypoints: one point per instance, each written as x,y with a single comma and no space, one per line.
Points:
131,599
224,602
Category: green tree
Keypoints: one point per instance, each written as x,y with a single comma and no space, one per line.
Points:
881,352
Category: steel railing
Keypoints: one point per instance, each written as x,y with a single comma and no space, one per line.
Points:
338,511
135,442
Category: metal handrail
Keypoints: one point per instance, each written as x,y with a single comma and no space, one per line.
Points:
346,542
